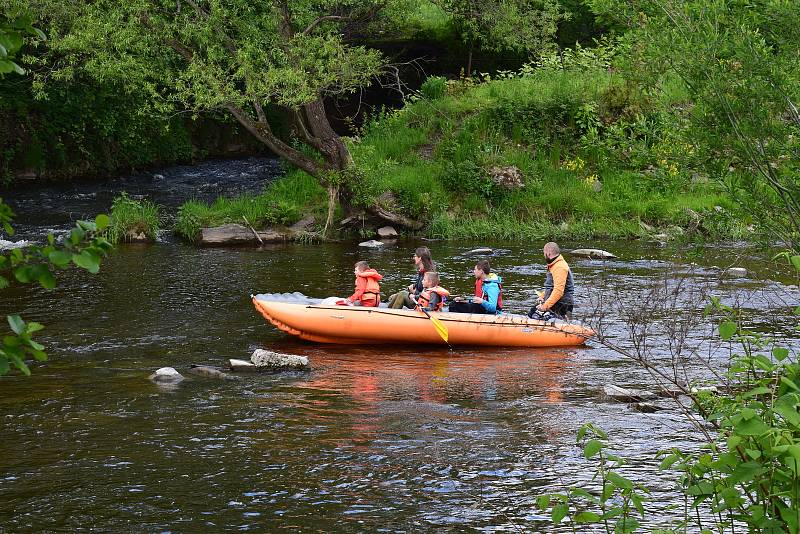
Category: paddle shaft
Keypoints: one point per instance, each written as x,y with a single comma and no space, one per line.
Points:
437,325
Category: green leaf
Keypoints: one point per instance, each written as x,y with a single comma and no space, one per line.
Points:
559,513
16,323
4,282
587,517
6,66
795,260
87,261
788,411
619,480
591,448
101,222
24,274
626,525
47,280
727,329
743,472
33,326
668,461
761,390
790,383
3,364
19,363
780,353
543,501
750,427
59,258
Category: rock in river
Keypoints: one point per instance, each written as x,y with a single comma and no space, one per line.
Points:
236,234
371,244
627,395
205,370
166,374
479,251
738,272
594,253
268,360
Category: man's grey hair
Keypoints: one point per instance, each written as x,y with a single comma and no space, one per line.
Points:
552,249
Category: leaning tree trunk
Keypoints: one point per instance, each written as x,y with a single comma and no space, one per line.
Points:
317,127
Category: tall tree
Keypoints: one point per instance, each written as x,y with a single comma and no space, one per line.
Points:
235,55
525,26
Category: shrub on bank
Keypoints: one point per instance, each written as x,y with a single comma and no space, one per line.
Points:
131,218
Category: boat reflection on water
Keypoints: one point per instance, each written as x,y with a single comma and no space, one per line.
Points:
377,385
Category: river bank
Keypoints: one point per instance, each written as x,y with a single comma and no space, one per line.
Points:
548,153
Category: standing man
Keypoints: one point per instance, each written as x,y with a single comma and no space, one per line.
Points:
488,292
558,297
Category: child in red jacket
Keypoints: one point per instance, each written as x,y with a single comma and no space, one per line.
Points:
368,290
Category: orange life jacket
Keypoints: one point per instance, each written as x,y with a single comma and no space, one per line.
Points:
368,290
425,297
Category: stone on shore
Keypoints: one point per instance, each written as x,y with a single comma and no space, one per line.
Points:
386,231
479,251
509,178
627,395
166,374
371,244
137,236
267,360
303,225
593,253
237,234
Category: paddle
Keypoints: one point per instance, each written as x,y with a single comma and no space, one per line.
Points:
437,324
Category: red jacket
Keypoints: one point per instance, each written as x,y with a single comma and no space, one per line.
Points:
368,290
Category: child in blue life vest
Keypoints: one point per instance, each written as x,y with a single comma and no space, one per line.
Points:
432,297
368,290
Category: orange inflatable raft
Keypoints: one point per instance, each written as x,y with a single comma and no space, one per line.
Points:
359,325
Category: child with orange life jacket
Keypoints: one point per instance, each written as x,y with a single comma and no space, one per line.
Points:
368,290
432,297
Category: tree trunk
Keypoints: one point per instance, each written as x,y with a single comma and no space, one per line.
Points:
469,61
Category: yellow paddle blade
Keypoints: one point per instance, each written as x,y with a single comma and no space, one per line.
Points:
440,328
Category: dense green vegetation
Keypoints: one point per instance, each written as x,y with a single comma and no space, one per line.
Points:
595,154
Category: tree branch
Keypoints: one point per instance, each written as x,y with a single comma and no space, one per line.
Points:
320,20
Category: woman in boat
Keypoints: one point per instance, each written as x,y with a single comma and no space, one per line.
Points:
424,264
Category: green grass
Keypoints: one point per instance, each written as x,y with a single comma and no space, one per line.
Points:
433,157
129,216
282,203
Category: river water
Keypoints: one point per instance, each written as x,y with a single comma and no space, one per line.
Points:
375,438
